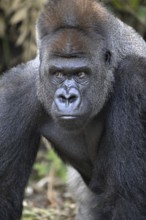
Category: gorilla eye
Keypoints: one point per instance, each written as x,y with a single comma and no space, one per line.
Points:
59,75
81,75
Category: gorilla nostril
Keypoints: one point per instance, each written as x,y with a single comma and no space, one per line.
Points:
62,98
67,99
72,98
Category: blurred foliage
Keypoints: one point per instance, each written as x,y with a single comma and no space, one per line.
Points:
18,20
132,12
67,212
46,196
17,30
49,163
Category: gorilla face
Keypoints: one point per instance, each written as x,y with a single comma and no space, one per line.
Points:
75,77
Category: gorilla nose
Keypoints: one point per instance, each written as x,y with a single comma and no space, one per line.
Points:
67,98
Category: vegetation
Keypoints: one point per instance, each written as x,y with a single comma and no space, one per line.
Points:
133,12
17,30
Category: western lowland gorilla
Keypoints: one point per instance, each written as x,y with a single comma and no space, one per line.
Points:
87,102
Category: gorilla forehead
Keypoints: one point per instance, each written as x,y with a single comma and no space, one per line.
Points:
73,43
70,42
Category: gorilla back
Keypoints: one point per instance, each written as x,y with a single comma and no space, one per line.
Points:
76,96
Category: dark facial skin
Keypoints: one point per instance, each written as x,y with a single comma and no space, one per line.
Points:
70,78
74,83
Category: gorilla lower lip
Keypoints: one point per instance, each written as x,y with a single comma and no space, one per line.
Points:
68,117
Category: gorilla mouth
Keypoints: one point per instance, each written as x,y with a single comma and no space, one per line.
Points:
68,117
71,122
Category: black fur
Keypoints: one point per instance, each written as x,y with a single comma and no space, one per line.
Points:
19,140
120,168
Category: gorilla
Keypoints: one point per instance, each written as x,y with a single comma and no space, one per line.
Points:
84,92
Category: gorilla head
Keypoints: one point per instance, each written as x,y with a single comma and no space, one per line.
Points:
75,72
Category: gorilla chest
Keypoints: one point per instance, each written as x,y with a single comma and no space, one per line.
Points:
76,148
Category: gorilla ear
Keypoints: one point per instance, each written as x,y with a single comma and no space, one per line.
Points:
108,57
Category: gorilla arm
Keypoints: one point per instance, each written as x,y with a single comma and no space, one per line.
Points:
119,173
19,112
